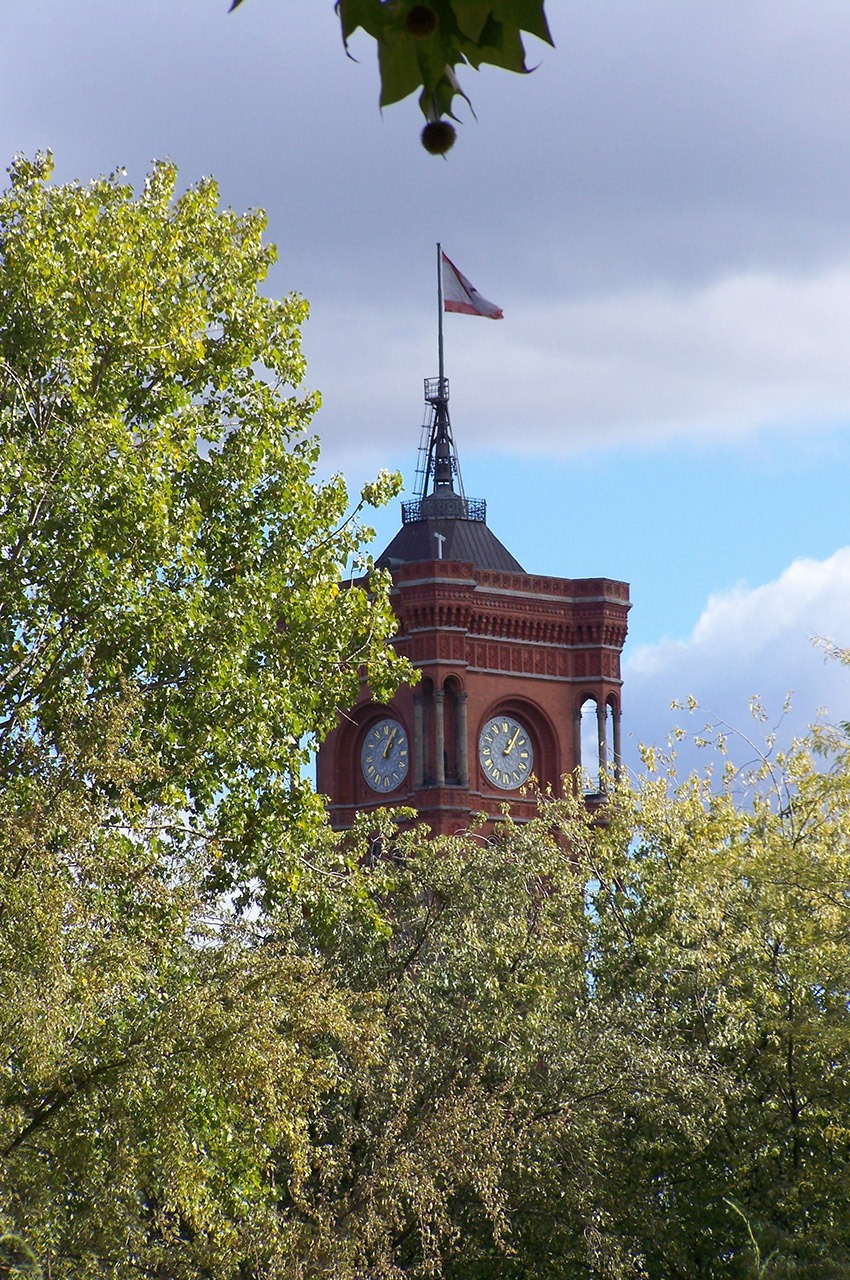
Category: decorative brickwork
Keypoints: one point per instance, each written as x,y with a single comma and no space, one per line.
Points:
488,643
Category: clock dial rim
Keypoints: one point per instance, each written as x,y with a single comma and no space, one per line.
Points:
524,767
397,770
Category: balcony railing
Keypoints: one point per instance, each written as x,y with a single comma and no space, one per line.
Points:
454,508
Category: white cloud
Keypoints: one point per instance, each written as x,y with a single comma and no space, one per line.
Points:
748,642
747,352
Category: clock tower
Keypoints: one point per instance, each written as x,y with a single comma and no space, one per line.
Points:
519,673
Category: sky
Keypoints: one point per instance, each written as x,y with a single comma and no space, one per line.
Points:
662,210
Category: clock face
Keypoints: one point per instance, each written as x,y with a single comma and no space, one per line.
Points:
504,749
384,756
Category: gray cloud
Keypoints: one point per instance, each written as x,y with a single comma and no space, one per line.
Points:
660,209
658,141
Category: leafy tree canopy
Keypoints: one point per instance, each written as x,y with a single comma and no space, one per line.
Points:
612,1048
158,1054
163,533
420,45
173,637
577,1048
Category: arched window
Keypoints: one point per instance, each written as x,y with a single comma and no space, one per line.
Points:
424,696
589,746
450,731
595,744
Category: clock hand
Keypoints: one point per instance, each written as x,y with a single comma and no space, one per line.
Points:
389,743
509,748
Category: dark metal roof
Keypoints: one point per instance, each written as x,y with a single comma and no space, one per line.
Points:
467,540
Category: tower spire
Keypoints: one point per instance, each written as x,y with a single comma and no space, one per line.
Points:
438,488
439,485
438,471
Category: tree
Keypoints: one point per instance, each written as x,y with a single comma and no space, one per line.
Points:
420,45
157,1052
173,637
578,1048
610,1047
163,531
726,912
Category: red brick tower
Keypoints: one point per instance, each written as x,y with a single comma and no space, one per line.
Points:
512,666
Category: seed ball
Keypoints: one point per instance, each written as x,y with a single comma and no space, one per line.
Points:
438,137
421,20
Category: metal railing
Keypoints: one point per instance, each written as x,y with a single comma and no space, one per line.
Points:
436,389
455,508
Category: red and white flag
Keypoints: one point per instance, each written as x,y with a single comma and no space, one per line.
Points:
460,295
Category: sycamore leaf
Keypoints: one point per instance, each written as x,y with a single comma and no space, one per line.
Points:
439,102
367,14
420,42
420,45
526,15
471,16
400,68
500,46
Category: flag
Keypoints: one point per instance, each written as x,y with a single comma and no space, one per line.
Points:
460,295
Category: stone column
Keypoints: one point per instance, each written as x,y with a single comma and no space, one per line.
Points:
576,737
418,743
618,755
462,748
439,740
601,738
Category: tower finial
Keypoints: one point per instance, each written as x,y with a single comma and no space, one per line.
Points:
441,468
439,484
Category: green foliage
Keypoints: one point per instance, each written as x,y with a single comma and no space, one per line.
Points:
610,1048
163,530
173,637
724,918
156,1052
587,1046
477,971
421,45
17,1259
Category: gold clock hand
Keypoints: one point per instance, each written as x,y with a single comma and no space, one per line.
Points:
389,743
509,748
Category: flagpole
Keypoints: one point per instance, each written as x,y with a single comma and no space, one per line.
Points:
440,308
